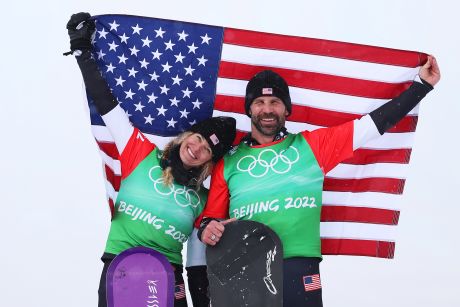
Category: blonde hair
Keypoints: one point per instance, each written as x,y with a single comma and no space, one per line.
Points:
167,175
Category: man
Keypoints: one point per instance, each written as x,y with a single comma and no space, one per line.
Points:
276,178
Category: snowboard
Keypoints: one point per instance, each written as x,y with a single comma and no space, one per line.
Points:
246,267
140,276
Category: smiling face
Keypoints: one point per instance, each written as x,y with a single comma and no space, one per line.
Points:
268,116
195,151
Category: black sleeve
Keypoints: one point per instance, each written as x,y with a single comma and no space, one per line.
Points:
95,84
394,110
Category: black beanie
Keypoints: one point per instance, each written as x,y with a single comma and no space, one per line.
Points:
267,83
219,132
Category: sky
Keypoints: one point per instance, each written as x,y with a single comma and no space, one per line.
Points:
54,216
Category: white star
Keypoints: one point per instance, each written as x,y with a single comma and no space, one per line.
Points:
154,76
114,26
187,93
152,98
100,54
202,61
142,85
156,55
192,123
144,63
199,83
160,32
129,94
176,80
169,45
189,70
137,29
134,51
113,46
122,59
171,123
205,39
146,42
161,111
139,107
179,57
184,113
132,72
102,33
174,102
120,81
124,38
192,48
196,104
166,67
110,68
164,89
182,36
148,119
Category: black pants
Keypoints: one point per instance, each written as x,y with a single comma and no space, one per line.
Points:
107,259
302,283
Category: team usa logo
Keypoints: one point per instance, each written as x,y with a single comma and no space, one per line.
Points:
183,196
269,160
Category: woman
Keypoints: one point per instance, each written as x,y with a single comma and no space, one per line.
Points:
160,196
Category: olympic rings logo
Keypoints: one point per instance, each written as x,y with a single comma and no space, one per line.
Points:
191,196
268,159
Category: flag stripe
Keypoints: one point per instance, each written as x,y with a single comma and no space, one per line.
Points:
363,199
359,215
367,156
370,248
324,47
382,185
318,82
311,115
386,141
360,231
316,63
311,98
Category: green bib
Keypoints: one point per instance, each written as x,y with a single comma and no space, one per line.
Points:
148,213
281,186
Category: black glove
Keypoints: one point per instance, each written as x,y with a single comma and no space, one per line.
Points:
80,28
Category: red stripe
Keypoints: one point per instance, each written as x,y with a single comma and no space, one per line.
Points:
359,215
382,185
380,249
114,179
318,81
112,207
368,156
323,47
310,115
109,149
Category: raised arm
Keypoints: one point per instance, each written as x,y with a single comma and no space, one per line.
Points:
81,28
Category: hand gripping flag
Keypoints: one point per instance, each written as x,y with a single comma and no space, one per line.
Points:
168,75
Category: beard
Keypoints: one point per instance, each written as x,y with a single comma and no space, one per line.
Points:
268,129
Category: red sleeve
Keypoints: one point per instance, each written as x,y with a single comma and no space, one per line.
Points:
137,148
331,145
218,197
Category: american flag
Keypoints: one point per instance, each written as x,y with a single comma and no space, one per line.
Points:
179,291
312,282
169,74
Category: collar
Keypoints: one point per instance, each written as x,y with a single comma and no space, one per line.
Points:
250,141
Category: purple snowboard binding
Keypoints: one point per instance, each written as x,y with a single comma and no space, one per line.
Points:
140,276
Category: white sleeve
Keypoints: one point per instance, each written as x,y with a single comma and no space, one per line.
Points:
119,126
196,250
364,130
